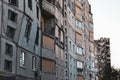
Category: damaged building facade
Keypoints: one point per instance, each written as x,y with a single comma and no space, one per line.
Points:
20,39
103,57
67,40
47,40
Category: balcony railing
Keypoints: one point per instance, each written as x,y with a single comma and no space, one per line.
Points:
49,7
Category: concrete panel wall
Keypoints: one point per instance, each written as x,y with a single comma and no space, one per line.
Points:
27,70
7,57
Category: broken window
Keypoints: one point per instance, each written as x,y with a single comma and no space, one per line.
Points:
10,32
34,63
37,11
8,49
8,66
28,29
13,2
37,37
22,59
12,16
30,4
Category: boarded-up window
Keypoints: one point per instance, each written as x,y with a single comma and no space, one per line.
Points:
78,10
48,42
78,37
80,78
48,65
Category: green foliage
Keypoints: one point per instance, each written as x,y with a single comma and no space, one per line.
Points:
115,74
110,73
107,73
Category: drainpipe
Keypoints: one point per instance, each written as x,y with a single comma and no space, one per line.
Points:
1,17
41,41
1,25
40,5
24,7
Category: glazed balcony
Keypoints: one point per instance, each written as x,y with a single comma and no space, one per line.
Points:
48,6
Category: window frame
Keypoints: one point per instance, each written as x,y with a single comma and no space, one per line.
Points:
37,37
6,65
37,11
79,49
79,64
34,62
11,2
78,23
10,32
22,59
30,4
11,15
8,49
28,29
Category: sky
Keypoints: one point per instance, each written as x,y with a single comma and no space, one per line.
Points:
106,18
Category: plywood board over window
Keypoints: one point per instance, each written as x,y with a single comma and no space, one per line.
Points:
48,42
78,37
78,10
48,65
80,78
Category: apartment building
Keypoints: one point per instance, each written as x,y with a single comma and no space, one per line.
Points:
53,63
67,40
103,58
20,39
46,40
84,41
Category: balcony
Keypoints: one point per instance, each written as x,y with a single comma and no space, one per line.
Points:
78,3
48,6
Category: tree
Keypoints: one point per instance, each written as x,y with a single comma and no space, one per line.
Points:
107,73
114,74
110,73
